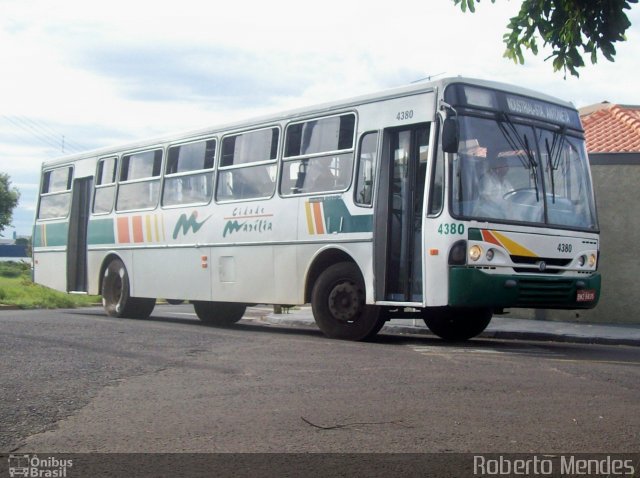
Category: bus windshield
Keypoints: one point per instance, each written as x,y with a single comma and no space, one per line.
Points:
521,173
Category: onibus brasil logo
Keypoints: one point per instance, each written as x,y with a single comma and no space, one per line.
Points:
32,466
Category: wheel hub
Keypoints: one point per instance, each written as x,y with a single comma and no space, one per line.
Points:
344,302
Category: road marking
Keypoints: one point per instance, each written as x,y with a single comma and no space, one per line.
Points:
448,350
606,362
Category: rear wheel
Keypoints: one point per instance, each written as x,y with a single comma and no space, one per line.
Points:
456,324
116,298
338,303
219,313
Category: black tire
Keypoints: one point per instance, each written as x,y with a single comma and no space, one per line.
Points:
219,313
456,324
116,298
338,304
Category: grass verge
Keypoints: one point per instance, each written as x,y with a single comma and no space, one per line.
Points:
17,289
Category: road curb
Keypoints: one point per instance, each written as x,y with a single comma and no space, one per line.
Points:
9,307
564,338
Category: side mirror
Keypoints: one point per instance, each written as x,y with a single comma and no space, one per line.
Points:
450,135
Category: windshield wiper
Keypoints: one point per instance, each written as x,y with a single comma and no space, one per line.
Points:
551,168
524,145
553,157
533,167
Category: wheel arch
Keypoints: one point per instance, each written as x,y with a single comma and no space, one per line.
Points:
323,259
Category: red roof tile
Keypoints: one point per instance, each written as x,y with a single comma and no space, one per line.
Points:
613,129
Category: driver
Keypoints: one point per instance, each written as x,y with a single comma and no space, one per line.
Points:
493,185
494,182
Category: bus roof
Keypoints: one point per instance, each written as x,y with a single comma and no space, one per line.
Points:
293,114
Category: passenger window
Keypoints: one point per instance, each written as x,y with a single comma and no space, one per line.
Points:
320,136
248,165
105,186
139,181
189,173
366,175
251,147
55,193
318,155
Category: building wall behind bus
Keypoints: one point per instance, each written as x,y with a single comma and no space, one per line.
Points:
616,178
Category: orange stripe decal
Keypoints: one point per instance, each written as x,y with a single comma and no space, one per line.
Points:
317,216
123,230
488,237
138,236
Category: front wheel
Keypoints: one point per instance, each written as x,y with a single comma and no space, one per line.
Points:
456,324
338,304
219,313
116,298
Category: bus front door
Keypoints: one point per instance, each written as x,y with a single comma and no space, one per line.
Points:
77,240
398,218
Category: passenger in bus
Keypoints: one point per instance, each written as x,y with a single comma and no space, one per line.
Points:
321,177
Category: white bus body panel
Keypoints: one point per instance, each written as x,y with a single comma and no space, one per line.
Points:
50,268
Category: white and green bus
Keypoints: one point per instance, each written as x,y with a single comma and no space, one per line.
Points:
450,201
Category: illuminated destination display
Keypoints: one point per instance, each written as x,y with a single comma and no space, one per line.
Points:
512,103
526,106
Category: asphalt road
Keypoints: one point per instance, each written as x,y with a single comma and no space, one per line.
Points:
78,381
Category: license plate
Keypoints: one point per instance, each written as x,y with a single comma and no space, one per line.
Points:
586,295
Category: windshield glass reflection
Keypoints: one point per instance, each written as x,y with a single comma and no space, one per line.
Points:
512,172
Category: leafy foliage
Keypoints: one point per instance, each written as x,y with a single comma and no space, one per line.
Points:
8,200
572,28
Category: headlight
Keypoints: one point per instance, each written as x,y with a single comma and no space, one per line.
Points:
592,260
490,254
475,252
582,260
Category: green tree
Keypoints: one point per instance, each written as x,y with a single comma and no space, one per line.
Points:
8,200
572,28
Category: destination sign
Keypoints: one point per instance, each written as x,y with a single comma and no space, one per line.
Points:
529,107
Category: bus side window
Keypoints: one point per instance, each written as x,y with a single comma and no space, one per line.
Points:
189,173
55,195
139,181
248,166
105,188
318,155
367,160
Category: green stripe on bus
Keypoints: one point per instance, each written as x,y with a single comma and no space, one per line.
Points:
100,231
51,234
475,234
337,218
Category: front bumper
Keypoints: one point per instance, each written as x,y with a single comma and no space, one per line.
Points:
471,287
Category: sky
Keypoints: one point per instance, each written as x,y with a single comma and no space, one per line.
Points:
78,75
